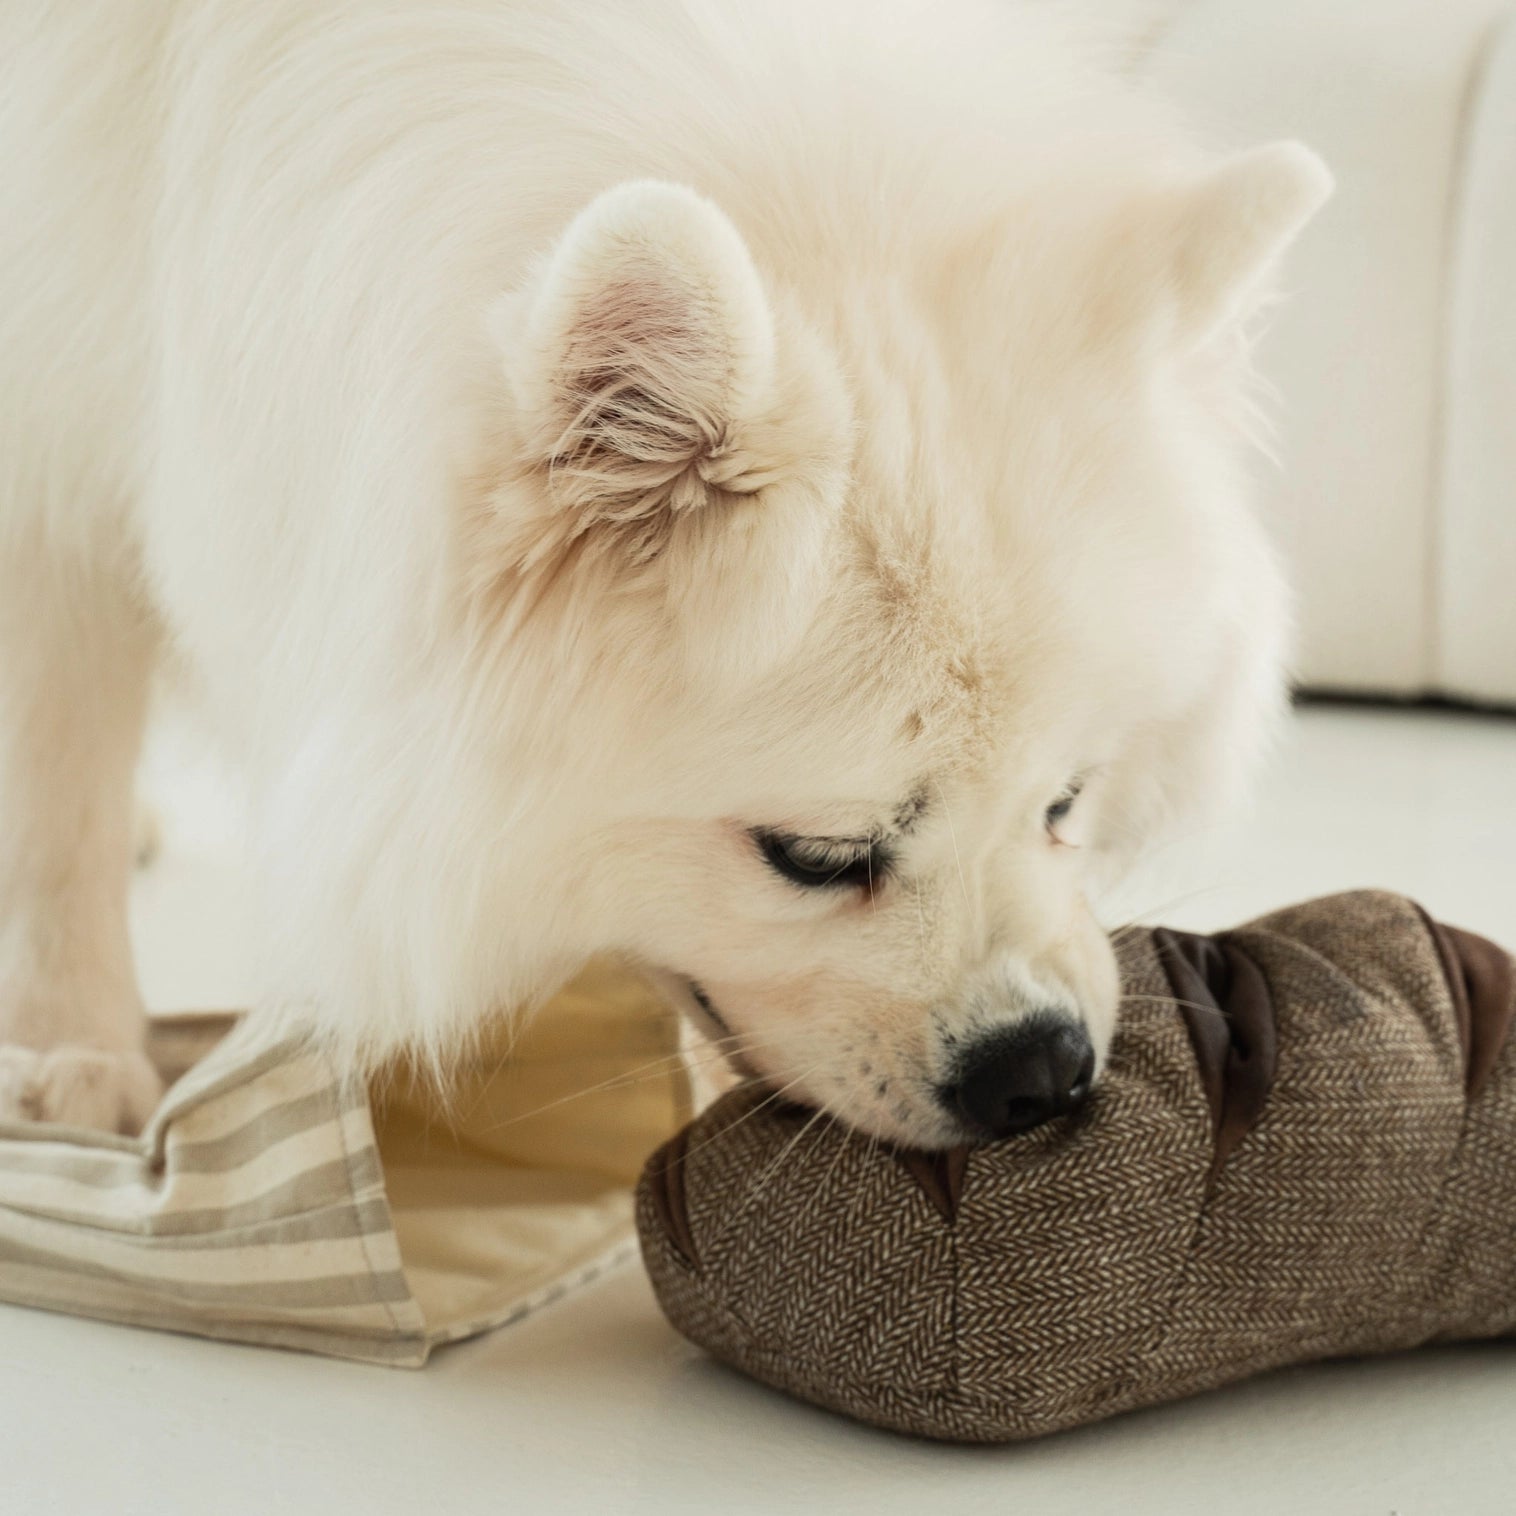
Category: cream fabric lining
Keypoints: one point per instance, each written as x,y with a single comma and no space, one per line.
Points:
522,1184
267,1202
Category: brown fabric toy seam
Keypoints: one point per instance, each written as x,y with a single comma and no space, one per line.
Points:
1227,1005
1482,1048
955,1338
941,1176
1480,981
1246,1115
1292,1346
1438,1210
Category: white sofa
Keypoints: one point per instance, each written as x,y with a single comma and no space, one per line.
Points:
1395,357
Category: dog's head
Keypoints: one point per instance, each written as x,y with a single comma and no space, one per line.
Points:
884,609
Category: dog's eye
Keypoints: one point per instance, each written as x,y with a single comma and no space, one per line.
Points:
823,862
1060,808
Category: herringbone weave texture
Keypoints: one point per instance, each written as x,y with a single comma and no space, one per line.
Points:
1107,1262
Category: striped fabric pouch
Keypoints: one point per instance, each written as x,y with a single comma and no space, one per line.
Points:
268,1202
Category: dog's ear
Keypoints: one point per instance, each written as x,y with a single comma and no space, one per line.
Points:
1228,229
642,357
675,429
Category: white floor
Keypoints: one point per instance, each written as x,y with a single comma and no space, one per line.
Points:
596,1406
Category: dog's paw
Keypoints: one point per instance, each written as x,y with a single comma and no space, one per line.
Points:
78,1086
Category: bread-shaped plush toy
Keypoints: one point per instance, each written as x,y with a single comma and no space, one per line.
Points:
1304,1146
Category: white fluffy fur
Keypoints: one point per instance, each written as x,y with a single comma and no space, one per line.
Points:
554,439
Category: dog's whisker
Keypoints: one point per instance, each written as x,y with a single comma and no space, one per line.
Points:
841,1117
657,1068
755,1191
1172,1000
873,1148
588,1054
953,833
768,1100
777,1094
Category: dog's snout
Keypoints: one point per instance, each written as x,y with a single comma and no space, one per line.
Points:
1021,1076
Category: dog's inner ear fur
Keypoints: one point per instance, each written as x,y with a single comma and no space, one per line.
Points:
676,430
641,361
1228,230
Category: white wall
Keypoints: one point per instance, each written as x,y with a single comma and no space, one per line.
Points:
1395,357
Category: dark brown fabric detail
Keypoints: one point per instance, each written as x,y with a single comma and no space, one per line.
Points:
1186,961
940,1176
1452,971
663,1183
1491,986
1482,983
1226,1005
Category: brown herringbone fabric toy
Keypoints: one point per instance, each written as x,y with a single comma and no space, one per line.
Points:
1304,1146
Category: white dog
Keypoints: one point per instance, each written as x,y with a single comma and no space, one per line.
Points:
751,487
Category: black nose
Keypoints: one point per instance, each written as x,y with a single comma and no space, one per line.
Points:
1019,1077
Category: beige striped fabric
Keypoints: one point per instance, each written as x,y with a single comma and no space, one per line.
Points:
268,1202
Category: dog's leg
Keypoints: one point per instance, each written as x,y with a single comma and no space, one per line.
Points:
76,654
